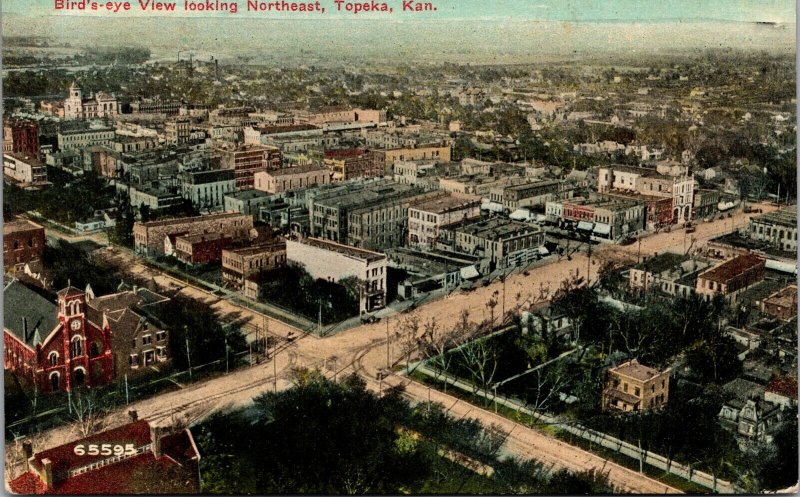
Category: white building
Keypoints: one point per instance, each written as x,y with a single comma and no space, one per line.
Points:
334,262
77,139
425,218
97,106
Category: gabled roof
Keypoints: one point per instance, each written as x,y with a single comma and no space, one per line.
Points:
20,302
70,291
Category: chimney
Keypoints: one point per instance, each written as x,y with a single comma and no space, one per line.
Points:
47,473
27,449
155,440
133,415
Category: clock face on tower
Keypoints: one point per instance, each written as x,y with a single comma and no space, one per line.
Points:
75,324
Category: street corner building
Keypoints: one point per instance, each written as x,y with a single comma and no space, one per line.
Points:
57,347
139,457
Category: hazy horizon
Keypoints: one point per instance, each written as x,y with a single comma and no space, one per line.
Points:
509,41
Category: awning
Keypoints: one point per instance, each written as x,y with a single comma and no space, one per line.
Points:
520,215
543,251
469,273
602,229
585,225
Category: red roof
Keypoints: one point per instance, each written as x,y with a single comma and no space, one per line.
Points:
64,458
785,386
732,268
138,474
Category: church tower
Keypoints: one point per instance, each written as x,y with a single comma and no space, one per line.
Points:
73,105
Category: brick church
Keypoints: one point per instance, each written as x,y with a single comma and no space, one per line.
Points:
57,347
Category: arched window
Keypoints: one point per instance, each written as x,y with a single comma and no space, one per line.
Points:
76,348
52,358
55,381
80,376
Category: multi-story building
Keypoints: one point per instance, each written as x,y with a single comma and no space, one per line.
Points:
731,277
207,189
56,347
156,106
178,131
149,237
332,261
372,215
138,344
672,274
354,163
436,151
530,194
141,455
101,105
778,228
202,248
426,217
498,240
154,198
82,138
240,264
247,160
291,178
23,242
247,202
25,170
127,143
605,218
21,137
102,160
623,180
635,387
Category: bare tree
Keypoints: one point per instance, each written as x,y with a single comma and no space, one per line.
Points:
88,413
481,360
547,386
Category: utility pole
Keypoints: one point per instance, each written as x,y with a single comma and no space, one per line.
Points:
188,357
319,318
388,341
226,352
127,399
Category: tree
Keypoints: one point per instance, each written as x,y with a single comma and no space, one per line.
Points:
480,358
87,412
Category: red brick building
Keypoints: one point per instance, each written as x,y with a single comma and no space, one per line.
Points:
21,137
354,163
247,160
23,241
731,277
56,347
202,248
136,458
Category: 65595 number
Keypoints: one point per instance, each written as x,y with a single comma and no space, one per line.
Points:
104,450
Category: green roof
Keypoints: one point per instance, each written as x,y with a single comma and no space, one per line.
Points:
662,262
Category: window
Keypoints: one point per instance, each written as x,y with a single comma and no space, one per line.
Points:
637,392
147,339
53,358
625,387
133,361
76,349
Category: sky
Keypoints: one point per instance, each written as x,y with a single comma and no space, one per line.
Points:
539,10
505,31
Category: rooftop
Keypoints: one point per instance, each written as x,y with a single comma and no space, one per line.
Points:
662,262
446,203
19,225
358,253
783,217
22,306
496,228
732,268
264,248
785,297
296,170
633,369
207,217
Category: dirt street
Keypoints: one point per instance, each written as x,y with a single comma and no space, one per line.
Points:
364,350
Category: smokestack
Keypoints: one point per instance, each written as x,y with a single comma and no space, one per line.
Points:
47,473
